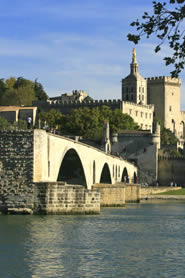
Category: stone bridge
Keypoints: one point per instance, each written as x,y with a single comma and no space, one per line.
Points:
58,158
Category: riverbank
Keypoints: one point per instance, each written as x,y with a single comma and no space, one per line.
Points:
163,193
165,197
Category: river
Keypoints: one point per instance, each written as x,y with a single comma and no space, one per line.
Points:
141,240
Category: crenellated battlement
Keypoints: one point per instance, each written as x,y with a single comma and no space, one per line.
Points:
164,79
148,106
85,103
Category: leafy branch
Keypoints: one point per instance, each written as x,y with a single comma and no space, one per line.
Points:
166,25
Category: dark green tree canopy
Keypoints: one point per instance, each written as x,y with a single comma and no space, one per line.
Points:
90,123
86,122
166,23
20,91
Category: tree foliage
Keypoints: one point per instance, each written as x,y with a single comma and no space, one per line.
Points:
5,125
86,122
90,123
167,136
52,118
20,91
166,23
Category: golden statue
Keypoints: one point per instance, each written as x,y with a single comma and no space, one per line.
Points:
134,56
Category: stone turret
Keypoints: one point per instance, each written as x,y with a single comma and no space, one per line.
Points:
156,136
107,138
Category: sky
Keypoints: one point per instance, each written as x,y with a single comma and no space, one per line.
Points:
76,45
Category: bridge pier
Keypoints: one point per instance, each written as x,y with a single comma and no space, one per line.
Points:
61,198
118,194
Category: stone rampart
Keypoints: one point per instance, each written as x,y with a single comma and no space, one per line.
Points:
111,195
60,198
16,171
164,79
171,169
66,107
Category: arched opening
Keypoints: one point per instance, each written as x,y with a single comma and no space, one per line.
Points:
182,129
71,169
105,175
94,172
125,175
135,177
173,126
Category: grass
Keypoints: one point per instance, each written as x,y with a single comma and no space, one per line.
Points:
173,192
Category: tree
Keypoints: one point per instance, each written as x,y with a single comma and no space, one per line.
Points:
167,136
20,91
5,125
166,23
52,118
90,123
2,87
40,94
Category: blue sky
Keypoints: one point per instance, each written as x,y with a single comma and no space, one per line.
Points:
75,44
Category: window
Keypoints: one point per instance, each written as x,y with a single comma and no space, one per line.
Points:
142,97
146,115
139,97
140,89
132,97
141,114
143,90
132,89
127,89
170,108
136,113
146,127
130,111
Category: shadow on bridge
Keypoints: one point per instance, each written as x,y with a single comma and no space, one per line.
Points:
105,175
71,169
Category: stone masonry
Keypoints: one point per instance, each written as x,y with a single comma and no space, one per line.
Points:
16,171
59,198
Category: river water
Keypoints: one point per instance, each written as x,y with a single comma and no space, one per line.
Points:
141,240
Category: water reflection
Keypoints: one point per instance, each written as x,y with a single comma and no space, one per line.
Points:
141,241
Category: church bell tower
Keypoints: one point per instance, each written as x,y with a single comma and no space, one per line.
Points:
134,86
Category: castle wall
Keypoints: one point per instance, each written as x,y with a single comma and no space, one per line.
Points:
164,93
68,107
139,148
156,96
141,114
171,169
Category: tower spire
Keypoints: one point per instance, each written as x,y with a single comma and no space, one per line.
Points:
134,64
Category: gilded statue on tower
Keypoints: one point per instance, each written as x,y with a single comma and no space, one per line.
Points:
134,56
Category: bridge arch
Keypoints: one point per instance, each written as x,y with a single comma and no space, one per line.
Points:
105,174
71,168
124,177
135,177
